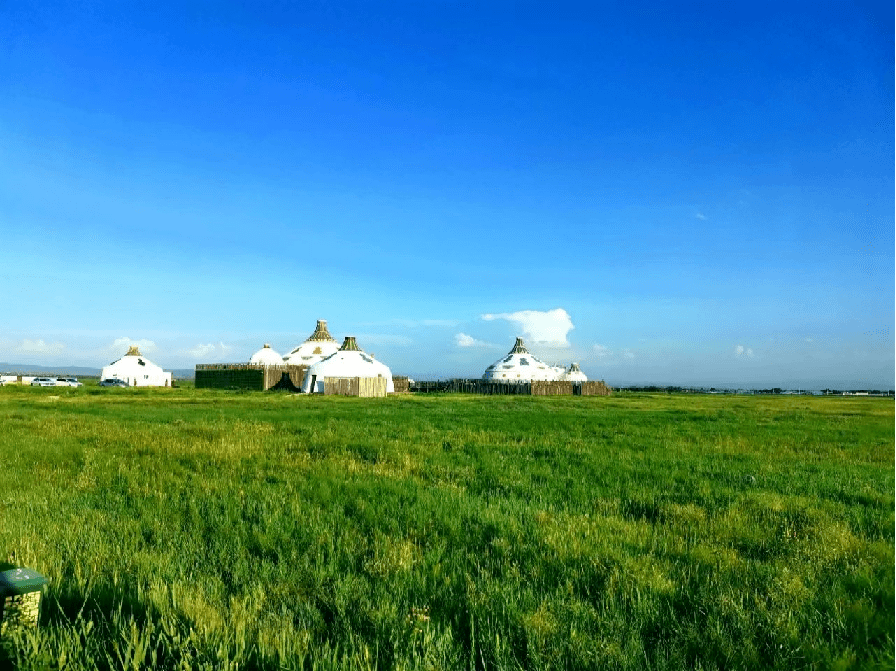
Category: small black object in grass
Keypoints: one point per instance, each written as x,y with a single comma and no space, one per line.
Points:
446,446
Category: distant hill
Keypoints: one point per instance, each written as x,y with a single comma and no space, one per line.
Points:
83,371
28,368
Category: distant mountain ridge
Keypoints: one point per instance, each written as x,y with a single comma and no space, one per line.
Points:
84,371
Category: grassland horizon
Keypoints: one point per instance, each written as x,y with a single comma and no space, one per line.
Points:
202,529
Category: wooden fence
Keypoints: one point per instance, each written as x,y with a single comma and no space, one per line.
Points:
483,387
428,387
597,388
252,377
296,375
479,386
542,388
236,377
366,387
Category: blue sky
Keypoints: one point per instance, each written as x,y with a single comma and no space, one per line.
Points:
700,193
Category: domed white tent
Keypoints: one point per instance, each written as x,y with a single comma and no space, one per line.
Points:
137,371
520,366
318,346
574,374
266,357
349,361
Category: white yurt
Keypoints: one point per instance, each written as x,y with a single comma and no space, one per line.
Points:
266,357
348,361
520,366
575,374
318,346
137,371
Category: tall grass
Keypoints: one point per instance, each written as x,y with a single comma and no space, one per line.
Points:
191,529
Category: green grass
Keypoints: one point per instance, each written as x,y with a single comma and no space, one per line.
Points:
191,529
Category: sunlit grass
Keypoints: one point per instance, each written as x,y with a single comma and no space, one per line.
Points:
204,529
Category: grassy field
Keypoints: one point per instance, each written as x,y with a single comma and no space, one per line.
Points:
194,529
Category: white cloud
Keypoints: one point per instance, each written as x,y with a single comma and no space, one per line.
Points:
602,351
809,340
121,346
548,328
700,216
464,340
210,351
628,354
741,351
39,347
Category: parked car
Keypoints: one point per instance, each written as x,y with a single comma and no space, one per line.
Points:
43,382
68,382
113,382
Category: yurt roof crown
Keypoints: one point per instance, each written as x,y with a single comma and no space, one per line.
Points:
519,347
350,345
321,333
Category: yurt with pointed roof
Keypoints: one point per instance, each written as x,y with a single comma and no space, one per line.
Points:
575,374
520,366
136,370
318,346
266,357
349,361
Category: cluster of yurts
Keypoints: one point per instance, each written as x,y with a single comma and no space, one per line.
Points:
325,358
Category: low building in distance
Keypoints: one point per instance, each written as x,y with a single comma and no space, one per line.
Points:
318,346
349,361
136,370
520,366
